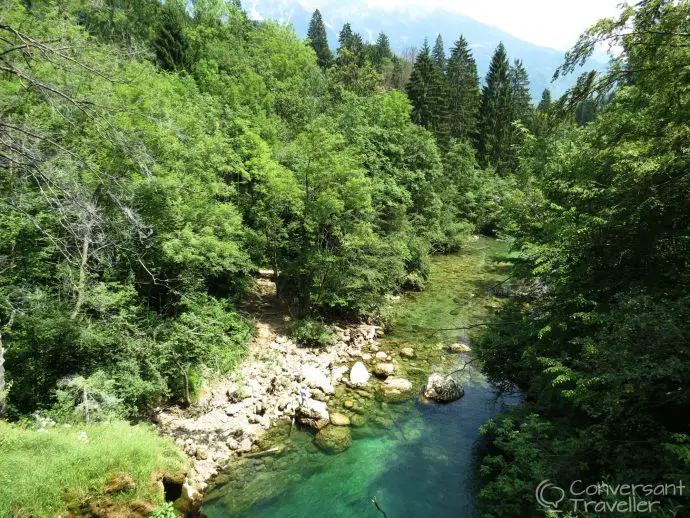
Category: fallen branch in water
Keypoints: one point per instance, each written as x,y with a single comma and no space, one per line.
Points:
375,502
263,453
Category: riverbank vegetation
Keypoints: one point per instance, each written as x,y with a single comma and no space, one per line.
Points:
598,337
59,470
155,155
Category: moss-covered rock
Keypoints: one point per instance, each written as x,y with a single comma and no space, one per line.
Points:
333,439
338,419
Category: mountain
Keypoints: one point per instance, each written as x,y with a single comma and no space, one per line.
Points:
407,27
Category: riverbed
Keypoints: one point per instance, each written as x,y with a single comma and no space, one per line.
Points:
417,458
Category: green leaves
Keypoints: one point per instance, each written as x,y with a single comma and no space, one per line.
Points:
601,349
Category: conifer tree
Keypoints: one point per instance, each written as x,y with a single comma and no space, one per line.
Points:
495,115
345,37
521,100
464,95
439,53
545,103
428,91
319,41
171,44
381,50
351,47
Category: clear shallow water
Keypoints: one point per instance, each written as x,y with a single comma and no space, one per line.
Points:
417,459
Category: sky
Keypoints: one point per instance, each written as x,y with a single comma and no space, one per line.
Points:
549,23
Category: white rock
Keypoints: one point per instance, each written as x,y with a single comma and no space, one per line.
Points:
338,373
407,352
314,414
359,375
316,378
234,408
383,370
443,388
397,384
381,356
459,348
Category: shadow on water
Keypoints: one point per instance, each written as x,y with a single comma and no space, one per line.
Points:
418,459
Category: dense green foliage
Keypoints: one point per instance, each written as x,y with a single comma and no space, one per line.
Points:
155,155
597,333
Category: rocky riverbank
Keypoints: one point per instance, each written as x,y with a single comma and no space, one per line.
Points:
281,382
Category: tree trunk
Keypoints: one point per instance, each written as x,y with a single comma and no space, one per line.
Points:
2,378
81,288
185,388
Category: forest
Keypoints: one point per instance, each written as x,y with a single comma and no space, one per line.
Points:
155,156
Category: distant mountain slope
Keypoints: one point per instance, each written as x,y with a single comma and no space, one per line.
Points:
408,28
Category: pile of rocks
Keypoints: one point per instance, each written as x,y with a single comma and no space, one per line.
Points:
280,381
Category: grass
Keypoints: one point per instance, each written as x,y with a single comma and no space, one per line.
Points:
48,473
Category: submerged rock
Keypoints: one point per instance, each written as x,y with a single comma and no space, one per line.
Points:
314,414
359,375
396,388
334,439
383,370
443,389
459,348
338,419
358,421
407,352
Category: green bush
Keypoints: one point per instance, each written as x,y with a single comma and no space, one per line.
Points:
165,510
311,333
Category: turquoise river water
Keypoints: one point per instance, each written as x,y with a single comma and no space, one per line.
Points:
417,458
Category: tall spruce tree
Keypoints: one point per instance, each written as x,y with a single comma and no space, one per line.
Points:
170,44
519,92
381,50
495,114
428,91
545,103
464,94
351,47
439,53
319,40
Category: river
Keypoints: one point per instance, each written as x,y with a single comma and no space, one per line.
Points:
418,459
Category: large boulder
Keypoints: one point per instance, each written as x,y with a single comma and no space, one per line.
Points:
334,439
359,375
314,414
316,378
443,389
383,370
